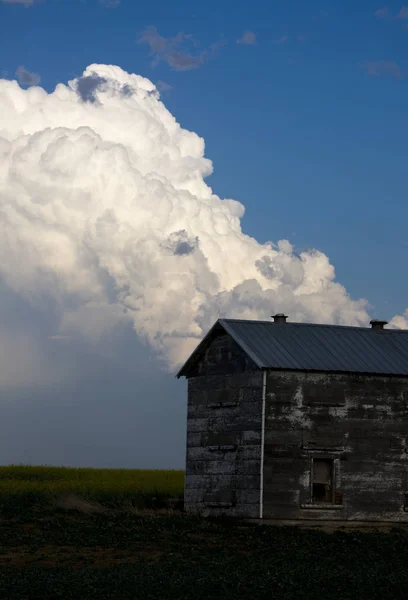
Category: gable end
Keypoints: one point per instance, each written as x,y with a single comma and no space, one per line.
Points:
217,352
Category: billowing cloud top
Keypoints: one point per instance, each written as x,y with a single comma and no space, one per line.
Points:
103,206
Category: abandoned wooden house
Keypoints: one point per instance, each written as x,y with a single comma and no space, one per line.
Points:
298,421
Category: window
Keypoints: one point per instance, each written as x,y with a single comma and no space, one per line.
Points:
323,481
323,489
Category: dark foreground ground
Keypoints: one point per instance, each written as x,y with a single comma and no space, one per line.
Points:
70,554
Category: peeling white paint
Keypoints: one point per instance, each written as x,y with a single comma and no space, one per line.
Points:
341,412
385,408
298,417
297,414
304,480
298,397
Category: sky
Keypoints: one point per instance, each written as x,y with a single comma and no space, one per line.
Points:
207,159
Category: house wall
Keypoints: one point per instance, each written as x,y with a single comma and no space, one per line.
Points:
359,421
224,433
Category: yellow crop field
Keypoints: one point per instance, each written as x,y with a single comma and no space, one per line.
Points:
22,485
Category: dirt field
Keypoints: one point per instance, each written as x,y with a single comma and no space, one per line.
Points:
90,552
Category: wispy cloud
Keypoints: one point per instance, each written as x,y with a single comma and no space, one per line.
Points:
178,52
25,2
27,78
162,86
282,40
383,67
248,38
382,13
403,13
110,3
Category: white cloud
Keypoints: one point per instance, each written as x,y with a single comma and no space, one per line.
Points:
399,321
104,209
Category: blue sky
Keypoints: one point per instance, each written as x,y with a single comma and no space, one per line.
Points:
306,125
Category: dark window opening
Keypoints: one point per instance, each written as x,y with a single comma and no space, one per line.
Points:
323,480
223,398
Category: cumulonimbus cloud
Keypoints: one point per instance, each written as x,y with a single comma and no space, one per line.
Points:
104,207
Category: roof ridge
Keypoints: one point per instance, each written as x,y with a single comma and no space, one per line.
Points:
296,323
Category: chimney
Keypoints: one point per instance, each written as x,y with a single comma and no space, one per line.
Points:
279,318
377,325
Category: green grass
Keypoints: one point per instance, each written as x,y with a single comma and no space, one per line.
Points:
23,486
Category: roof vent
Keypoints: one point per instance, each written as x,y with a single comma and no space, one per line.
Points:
279,318
377,325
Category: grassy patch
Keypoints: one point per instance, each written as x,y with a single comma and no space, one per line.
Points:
22,486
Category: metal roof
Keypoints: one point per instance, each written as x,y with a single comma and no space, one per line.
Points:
310,347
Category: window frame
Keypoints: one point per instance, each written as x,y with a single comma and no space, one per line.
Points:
332,460
309,504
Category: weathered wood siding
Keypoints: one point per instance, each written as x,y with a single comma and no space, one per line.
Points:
360,421
224,433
